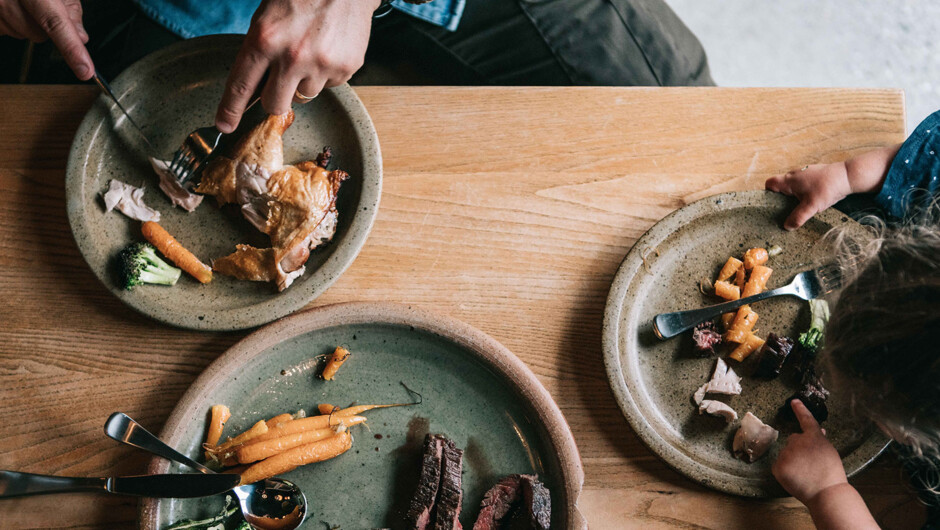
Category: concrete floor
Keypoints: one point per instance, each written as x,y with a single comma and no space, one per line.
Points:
845,43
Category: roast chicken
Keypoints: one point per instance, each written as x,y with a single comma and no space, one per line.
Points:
294,205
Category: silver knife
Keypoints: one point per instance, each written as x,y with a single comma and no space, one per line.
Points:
106,88
179,486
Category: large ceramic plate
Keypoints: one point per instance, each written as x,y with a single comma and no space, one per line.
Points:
475,392
170,93
653,380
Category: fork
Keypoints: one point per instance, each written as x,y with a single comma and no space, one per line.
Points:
195,150
806,285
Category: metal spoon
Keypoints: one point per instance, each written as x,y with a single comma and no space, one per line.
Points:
271,503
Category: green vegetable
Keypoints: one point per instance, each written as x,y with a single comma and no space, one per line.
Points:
216,522
139,265
819,314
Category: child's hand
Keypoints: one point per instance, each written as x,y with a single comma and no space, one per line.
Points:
808,464
818,187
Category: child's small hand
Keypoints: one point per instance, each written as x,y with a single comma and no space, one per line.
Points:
818,187
808,464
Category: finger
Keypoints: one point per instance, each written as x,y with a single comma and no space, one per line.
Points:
247,71
779,184
802,213
309,87
807,422
53,17
279,90
75,13
19,25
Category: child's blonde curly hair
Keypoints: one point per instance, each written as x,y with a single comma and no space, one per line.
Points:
882,344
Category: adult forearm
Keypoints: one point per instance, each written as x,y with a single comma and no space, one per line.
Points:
840,507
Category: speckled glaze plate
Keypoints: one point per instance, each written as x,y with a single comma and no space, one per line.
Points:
170,93
474,391
653,381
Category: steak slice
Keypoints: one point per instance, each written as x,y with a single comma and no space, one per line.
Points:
449,495
497,501
772,356
419,510
538,502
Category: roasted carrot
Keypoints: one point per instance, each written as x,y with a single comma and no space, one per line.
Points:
277,420
729,269
359,409
219,414
743,324
252,452
727,291
257,429
326,408
293,458
726,320
172,249
758,280
739,278
754,257
340,354
307,424
751,344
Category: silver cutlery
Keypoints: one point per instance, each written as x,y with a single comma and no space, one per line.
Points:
806,285
273,498
178,486
106,88
195,150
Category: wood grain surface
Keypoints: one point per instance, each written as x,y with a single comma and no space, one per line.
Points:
507,208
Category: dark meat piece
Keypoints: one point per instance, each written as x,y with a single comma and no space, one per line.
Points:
419,510
449,495
706,337
538,503
814,396
773,354
324,158
497,501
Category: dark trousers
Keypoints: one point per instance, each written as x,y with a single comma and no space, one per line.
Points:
498,42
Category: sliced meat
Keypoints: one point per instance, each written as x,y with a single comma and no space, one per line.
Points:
422,503
717,408
538,502
705,337
171,187
497,501
753,438
723,381
813,395
772,355
450,495
129,200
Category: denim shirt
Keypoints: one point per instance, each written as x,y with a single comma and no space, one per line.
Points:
194,18
913,179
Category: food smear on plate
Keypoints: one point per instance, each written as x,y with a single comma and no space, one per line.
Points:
139,265
177,253
753,438
516,501
128,200
178,195
294,205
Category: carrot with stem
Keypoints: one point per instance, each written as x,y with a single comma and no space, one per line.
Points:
326,408
252,452
219,414
317,451
175,252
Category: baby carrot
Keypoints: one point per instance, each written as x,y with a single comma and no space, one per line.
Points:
751,344
218,416
293,458
326,408
340,354
257,429
279,419
172,249
252,452
307,424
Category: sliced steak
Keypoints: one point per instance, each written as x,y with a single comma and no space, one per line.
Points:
538,502
772,356
497,501
449,495
419,510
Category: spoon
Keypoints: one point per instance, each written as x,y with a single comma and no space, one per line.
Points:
267,504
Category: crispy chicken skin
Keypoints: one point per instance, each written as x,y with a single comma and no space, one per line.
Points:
294,205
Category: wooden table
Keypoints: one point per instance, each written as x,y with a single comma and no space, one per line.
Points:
509,209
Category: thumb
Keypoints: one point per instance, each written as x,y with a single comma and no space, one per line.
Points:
802,213
807,422
779,184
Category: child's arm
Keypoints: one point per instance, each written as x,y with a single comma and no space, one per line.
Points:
819,186
810,469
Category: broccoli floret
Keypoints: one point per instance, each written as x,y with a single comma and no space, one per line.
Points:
819,313
139,265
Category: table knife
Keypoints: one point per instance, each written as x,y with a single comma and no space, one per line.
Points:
106,88
178,486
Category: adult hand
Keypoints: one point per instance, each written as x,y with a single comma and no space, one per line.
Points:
808,464
817,186
59,20
305,44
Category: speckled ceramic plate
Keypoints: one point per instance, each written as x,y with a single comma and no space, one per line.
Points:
475,392
170,93
653,381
